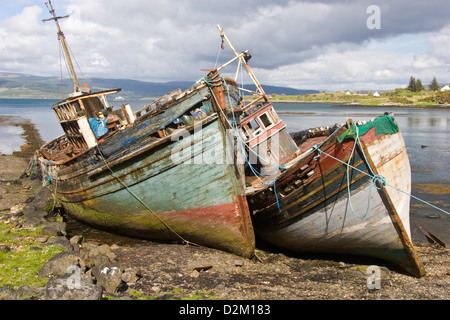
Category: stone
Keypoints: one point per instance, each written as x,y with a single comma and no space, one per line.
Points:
33,221
4,248
75,241
73,287
60,227
195,274
17,209
108,276
112,256
41,201
61,241
200,266
99,260
239,263
7,293
115,247
60,264
25,292
41,239
156,289
100,250
130,276
51,232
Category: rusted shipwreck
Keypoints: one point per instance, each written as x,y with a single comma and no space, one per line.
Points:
203,166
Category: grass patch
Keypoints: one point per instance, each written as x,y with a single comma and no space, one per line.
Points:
139,295
22,263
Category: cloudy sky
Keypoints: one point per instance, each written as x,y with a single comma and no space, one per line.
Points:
323,45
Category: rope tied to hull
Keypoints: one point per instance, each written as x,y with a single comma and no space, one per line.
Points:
214,82
142,202
378,181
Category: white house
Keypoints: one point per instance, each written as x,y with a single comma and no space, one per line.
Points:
445,88
376,94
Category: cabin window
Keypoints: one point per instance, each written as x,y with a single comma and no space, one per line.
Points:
93,106
77,106
266,121
254,125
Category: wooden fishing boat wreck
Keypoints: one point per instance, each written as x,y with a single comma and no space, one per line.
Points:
340,190
203,167
165,172
342,195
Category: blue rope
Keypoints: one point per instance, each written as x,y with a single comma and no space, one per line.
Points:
349,180
242,143
46,169
378,178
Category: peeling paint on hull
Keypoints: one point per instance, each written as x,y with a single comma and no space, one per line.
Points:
217,227
180,190
319,215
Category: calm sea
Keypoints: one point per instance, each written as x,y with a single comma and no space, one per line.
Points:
426,133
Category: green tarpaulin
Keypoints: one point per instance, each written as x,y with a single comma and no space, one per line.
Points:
383,124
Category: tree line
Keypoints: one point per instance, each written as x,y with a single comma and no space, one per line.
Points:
417,86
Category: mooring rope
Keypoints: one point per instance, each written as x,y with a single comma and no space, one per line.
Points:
143,203
213,82
378,178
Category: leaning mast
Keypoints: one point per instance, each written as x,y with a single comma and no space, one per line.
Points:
243,60
77,88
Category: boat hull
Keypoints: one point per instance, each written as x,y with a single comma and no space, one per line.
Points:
180,188
322,213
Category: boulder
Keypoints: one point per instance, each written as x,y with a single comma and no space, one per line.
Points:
25,292
108,276
17,210
59,227
49,231
7,293
59,265
60,241
73,287
103,249
33,220
130,276
99,260
76,241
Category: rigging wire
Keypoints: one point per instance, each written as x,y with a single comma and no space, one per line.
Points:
76,62
67,66
60,71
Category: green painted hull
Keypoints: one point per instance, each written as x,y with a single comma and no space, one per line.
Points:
186,186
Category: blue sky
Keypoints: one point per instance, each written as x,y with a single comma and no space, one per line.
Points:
324,45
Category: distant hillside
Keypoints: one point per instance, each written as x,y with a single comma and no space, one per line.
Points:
14,85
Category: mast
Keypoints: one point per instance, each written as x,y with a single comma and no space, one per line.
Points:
243,58
77,88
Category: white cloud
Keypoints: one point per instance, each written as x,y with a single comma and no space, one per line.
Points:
368,67
303,44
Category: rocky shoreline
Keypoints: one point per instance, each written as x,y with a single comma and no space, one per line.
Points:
67,264
87,269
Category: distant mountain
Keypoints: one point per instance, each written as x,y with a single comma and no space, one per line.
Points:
282,90
15,85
